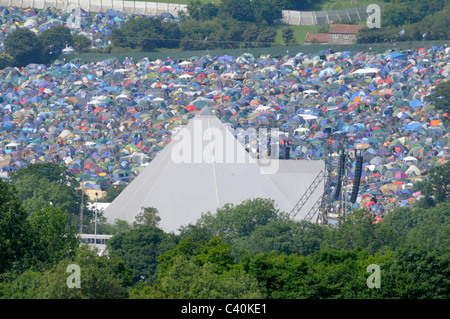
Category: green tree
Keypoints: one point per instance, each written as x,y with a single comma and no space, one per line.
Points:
437,185
266,37
300,5
267,11
277,274
215,251
146,34
284,237
149,216
5,60
202,11
52,239
26,285
326,274
140,248
172,36
241,220
118,226
241,10
111,193
24,47
101,277
288,36
418,272
186,279
250,34
81,43
406,12
436,25
55,39
397,15
413,226
357,231
39,185
117,38
14,229
194,270
440,98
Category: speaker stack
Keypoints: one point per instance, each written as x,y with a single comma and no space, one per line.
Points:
357,179
341,171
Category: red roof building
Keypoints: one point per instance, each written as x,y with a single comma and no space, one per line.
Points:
343,33
316,38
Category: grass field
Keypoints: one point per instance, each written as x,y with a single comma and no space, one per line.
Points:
322,5
299,32
274,51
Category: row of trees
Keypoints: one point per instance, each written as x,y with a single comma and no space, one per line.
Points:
418,19
23,46
204,26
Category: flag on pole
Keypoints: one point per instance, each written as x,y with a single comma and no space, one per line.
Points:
424,35
402,33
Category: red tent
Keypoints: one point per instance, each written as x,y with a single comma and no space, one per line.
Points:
191,108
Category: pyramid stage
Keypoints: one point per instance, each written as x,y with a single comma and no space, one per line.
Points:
205,167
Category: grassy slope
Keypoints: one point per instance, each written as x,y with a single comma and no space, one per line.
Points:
343,4
299,32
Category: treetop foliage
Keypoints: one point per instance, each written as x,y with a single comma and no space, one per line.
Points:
249,250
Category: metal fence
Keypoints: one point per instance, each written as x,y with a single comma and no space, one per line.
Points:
155,8
323,17
134,7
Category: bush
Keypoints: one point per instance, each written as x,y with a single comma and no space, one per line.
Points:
5,60
24,47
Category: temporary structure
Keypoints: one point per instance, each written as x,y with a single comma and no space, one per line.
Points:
205,167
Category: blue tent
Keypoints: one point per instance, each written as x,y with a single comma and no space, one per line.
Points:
415,103
397,55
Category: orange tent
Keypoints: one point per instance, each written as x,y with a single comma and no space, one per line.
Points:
435,122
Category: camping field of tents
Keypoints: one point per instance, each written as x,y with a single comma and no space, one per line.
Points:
106,119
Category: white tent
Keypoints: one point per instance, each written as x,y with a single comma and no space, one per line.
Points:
409,159
262,108
203,168
65,133
413,170
366,71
